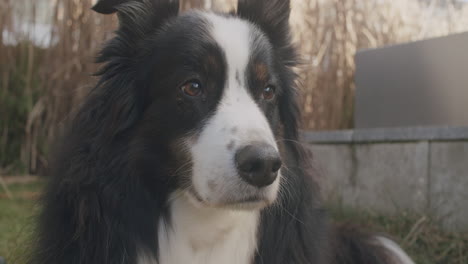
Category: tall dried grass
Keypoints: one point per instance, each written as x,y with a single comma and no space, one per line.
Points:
39,87
329,33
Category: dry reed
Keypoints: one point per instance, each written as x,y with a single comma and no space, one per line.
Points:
329,33
39,87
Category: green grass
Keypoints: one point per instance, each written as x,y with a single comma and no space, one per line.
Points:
16,217
424,240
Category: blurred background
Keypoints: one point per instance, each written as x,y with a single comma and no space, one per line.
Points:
370,115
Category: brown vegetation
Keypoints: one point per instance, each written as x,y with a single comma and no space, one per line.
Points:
330,32
40,86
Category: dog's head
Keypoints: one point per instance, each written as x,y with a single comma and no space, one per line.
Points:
211,95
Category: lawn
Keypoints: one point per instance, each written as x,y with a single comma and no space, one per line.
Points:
16,215
422,238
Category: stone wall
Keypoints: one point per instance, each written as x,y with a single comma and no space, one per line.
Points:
423,170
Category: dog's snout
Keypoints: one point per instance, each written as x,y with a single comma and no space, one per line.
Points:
258,164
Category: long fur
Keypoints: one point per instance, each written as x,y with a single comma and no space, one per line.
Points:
103,201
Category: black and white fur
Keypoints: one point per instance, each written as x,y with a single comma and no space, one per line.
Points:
147,174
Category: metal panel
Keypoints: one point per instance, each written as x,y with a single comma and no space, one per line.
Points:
423,83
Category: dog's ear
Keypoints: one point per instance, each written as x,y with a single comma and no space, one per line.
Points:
151,12
111,6
107,6
272,16
119,94
137,20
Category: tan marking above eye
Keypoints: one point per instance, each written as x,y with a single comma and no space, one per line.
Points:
211,63
261,72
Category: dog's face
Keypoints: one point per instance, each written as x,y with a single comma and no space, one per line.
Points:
213,89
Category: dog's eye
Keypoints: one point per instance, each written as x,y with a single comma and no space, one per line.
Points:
269,92
192,88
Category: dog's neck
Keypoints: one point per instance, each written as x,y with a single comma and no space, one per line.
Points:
199,235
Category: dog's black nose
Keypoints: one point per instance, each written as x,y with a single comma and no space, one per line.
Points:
258,164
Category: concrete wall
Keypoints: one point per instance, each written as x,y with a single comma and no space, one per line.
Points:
424,170
422,83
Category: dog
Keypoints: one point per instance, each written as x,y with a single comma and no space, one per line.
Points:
187,150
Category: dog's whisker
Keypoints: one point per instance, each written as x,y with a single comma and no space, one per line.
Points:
183,166
178,195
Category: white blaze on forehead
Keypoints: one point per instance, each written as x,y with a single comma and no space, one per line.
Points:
233,37
237,106
237,121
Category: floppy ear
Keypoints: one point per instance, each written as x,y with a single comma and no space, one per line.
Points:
118,93
139,15
107,6
272,16
111,6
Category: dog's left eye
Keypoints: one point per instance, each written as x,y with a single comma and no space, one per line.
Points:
192,88
269,92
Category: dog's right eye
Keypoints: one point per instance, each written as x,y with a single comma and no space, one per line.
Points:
192,88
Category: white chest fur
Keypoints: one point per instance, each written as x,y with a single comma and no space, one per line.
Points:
207,235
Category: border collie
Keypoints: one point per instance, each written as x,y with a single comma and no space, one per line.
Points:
186,151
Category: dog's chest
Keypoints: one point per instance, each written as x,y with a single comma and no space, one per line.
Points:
207,236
